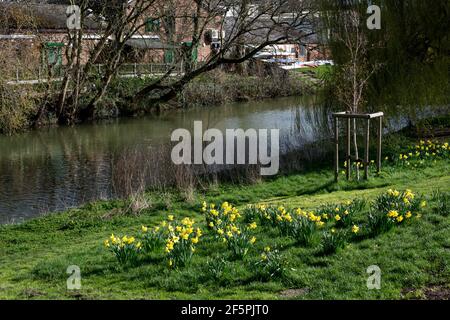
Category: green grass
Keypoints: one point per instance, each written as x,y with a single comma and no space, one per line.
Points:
34,255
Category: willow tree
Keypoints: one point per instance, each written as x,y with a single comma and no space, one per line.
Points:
412,47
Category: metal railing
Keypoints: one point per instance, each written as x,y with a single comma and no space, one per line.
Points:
41,74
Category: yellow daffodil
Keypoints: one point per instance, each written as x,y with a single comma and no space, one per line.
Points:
252,226
393,214
355,229
337,217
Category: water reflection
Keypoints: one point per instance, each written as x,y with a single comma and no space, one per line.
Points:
56,168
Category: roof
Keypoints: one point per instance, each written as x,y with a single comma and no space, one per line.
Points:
16,16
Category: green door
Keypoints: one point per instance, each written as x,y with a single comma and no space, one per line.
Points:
168,56
53,53
194,56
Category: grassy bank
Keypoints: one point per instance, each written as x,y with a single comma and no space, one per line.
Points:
413,256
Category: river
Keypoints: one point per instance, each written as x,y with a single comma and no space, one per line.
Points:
57,168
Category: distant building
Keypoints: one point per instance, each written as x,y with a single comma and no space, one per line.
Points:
37,34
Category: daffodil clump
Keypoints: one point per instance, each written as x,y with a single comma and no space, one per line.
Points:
271,264
125,249
423,153
342,214
153,238
442,200
239,239
394,208
181,241
225,223
304,226
267,215
358,165
335,239
218,217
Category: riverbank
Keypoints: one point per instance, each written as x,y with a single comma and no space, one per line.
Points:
21,104
34,255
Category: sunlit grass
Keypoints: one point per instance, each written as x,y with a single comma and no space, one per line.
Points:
34,255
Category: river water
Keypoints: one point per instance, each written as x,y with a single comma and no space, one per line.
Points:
56,168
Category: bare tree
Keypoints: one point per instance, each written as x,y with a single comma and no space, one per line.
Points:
355,72
238,30
248,27
245,27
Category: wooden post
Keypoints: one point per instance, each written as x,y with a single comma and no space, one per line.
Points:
336,138
380,135
366,160
349,160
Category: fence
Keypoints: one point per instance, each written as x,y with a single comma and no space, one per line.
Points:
41,74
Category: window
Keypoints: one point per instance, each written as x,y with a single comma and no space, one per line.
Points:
215,35
303,51
152,25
